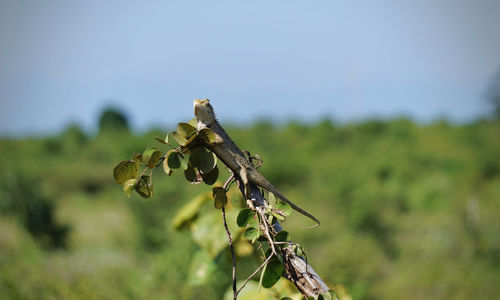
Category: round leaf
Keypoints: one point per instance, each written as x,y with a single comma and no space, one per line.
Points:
244,217
189,211
284,207
190,140
151,157
204,160
299,251
271,199
129,185
125,170
144,186
185,130
208,232
252,233
179,138
173,160
183,161
220,197
137,157
211,177
190,174
210,137
329,295
273,272
166,168
193,122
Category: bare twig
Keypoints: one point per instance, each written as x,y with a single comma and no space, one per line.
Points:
226,185
255,272
266,230
235,294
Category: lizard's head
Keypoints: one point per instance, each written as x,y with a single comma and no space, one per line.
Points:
204,112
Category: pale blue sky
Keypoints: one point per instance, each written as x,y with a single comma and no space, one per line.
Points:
61,61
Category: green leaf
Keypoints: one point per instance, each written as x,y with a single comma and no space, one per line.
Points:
273,272
202,269
284,207
160,140
144,186
332,294
163,141
244,217
281,236
137,157
151,157
262,275
179,138
190,174
209,233
190,140
329,295
193,122
210,137
185,130
203,159
166,168
220,197
189,211
211,177
252,233
278,216
207,135
129,185
174,160
183,161
272,200
298,250
125,170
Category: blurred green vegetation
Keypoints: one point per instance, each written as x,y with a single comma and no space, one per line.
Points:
408,211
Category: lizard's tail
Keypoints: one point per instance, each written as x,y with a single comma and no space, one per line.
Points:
300,210
262,182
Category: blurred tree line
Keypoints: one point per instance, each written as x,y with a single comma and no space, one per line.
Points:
408,211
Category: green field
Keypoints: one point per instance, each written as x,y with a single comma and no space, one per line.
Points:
408,211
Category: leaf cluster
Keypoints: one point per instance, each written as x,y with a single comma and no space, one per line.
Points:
190,156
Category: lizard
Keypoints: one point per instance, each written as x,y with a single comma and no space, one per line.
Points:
232,156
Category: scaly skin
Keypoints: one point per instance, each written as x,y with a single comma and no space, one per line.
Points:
234,158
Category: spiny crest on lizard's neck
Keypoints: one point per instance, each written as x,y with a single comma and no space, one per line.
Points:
204,112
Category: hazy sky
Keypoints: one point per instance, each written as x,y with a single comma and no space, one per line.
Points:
62,61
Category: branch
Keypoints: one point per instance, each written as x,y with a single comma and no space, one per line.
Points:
296,268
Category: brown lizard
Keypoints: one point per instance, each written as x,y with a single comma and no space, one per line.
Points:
227,151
